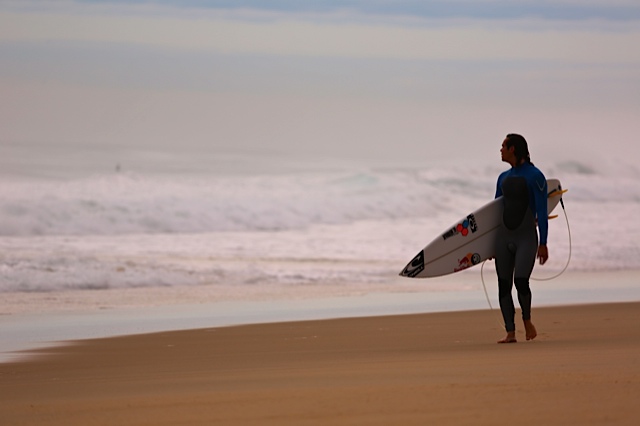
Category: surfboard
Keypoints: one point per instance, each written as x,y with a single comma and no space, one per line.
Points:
469,241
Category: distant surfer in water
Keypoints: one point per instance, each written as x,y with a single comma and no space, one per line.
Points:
524,191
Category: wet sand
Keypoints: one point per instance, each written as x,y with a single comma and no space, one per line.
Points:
438,368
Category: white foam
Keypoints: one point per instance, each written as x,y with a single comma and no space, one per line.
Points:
128,203
127,230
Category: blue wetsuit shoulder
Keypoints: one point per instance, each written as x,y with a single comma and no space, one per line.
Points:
499,184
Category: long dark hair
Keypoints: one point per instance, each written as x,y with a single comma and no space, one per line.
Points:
521,150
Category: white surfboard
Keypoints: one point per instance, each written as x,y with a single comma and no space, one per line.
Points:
470,241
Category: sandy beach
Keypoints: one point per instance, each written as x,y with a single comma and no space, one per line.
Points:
439,368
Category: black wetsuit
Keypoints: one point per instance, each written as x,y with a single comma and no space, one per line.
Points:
524,191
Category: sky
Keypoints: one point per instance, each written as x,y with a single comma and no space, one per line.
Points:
402,82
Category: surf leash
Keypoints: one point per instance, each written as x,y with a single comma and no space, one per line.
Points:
570,249
486,294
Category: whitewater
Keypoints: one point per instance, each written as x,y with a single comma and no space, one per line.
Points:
242,231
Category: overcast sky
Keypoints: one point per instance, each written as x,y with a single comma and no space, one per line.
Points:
356,79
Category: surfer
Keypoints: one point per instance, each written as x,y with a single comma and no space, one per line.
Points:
524,191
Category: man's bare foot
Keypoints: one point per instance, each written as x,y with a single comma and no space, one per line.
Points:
530,330
511,338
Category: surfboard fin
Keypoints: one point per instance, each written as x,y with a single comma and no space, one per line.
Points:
556,192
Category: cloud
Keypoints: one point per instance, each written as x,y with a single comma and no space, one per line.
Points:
474,9
293,36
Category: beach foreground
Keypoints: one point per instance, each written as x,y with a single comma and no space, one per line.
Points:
437,368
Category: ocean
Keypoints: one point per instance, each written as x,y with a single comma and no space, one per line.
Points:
84,221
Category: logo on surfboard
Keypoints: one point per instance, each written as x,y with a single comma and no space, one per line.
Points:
415,266
468,261
463,228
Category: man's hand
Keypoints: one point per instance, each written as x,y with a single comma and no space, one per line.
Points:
543,254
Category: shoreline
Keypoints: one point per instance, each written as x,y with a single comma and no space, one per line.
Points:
31,330
434,368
